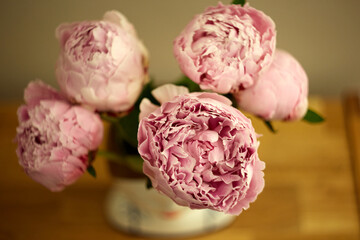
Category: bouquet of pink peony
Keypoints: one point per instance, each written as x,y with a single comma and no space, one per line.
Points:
196,145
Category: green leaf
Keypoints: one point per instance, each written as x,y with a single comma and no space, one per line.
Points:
270,126
313,117
127,126
91,170
148,183
232,99
187,82
241,2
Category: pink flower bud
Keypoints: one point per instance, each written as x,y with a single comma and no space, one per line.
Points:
226,47
280,93
54,138
102,64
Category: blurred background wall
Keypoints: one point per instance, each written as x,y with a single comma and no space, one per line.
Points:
323,35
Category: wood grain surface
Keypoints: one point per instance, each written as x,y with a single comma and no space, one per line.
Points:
309,191
351,105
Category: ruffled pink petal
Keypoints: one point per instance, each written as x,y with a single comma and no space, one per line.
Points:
120,20
146,108
167,92
201,153
38,90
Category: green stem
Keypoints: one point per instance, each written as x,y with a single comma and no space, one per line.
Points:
134,162
108,118
110,156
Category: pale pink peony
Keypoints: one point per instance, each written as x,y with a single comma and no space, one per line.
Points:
54,138
280,93
200,151
102,64
226,47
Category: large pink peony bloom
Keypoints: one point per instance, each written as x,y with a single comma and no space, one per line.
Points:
226,47
200,151
54,138
102,64
280,93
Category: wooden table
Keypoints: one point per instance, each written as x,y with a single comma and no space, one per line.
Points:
309,192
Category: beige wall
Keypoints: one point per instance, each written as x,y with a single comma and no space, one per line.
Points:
323,34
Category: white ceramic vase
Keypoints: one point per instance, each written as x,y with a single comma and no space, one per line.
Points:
132,208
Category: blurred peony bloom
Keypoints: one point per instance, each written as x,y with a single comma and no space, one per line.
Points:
200,151
226,47
54,138
280,93
102,64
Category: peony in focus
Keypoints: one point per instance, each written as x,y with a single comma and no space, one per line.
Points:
102,64
200,151
280,93
226,48
54,138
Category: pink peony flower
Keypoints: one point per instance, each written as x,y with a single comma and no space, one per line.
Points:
54,138
226,47
280,93
102,64
200,151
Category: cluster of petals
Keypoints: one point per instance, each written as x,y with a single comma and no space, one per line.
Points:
54,137
102,64
226,47
200,151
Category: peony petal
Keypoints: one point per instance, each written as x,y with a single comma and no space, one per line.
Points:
280,93
22,113
215,96
38,90
167,92
63,32
120,20
208,135
146,108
